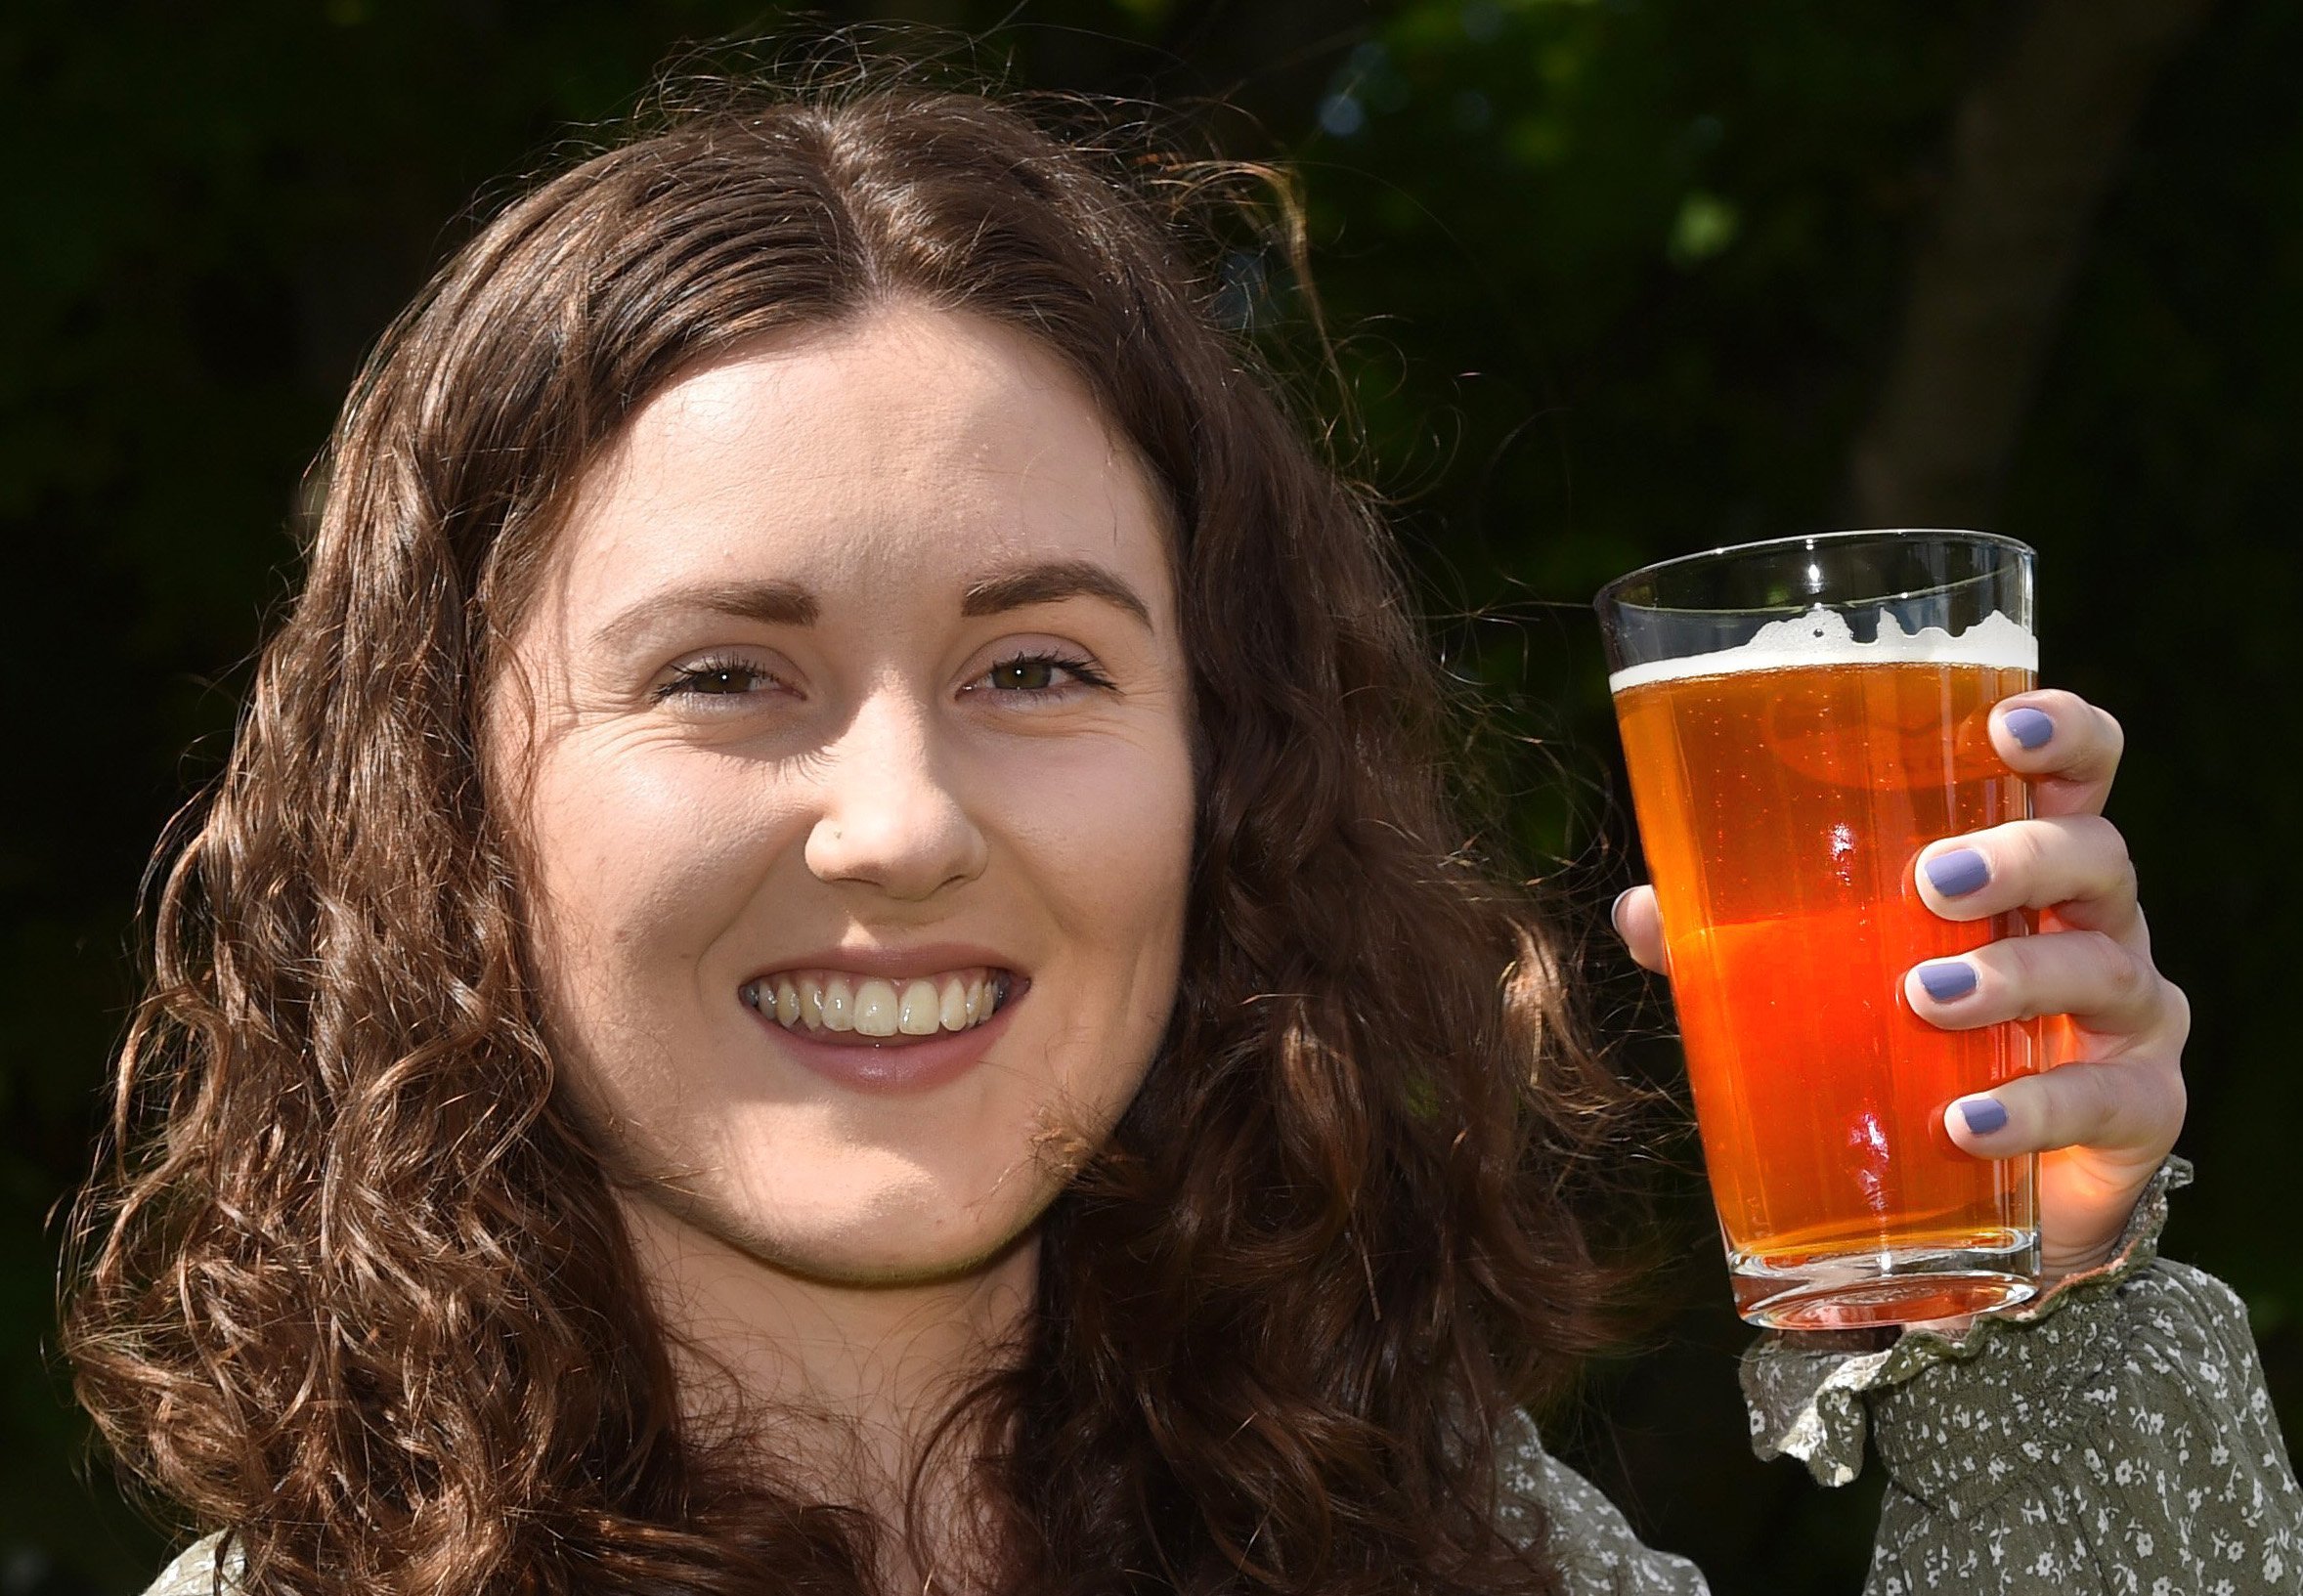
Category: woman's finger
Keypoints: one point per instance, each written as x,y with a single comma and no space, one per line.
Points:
2076,865
2094,978
1640,924
2064,745
2124,1111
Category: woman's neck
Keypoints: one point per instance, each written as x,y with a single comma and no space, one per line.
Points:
846,1382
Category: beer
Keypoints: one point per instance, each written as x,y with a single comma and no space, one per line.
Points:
1784,790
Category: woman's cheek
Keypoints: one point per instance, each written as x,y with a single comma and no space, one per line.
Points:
1119,828
1111,822
652,853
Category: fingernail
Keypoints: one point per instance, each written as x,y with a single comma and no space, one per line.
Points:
1615,910
2028,726
1957,873
1947,978
1983,1115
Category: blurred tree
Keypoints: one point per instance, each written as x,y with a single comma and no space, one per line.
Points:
2036,145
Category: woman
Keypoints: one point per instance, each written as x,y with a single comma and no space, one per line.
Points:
833,959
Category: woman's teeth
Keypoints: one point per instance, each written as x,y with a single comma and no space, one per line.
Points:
815,1000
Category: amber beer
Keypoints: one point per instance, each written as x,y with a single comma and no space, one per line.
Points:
1785,787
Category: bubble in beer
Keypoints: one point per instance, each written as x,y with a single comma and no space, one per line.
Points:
1824,636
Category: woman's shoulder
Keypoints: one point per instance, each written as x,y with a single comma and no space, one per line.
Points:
1587,1534
193,1572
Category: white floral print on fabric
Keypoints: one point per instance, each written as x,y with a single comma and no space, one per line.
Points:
193,1572
2113,1436
2116,1436
1807,1392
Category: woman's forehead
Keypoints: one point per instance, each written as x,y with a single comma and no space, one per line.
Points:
858,451
907,398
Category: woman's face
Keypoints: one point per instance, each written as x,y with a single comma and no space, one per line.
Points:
861,803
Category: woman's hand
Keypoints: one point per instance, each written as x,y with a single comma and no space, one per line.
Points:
2107,1112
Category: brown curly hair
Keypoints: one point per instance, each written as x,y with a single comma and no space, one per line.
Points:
348,1281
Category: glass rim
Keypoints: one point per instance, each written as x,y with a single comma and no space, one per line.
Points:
1606,595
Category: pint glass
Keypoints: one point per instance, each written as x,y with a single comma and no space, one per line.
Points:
1800,718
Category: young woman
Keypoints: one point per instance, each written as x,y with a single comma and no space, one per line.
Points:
833,959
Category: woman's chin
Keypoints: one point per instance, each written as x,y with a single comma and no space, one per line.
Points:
888,1264
875,1239
921,1267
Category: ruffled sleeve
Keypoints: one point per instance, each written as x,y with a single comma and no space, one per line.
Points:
2113,1436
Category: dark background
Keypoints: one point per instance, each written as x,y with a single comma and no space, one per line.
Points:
1614,280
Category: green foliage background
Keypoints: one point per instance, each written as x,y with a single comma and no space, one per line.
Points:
1615,280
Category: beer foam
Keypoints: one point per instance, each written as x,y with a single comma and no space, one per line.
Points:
1822,636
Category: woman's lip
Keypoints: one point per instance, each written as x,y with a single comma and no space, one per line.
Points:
895,964
913,1066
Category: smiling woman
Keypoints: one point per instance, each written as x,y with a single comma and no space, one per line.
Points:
834,959
832,955
922,792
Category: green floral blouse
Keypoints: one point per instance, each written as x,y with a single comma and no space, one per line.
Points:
2113,1436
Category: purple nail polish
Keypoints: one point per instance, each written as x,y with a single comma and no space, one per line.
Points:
1615,910
1947,978
2028,726
1957,873
1983,1115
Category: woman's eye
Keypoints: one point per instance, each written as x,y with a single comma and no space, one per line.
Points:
1041,674
715,678
1025,675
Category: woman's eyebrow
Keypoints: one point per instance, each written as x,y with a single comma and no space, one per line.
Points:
1047,582
773,603
788,604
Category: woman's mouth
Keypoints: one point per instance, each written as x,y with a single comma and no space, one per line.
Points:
839,1008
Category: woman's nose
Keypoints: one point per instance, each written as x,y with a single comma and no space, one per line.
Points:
888,815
